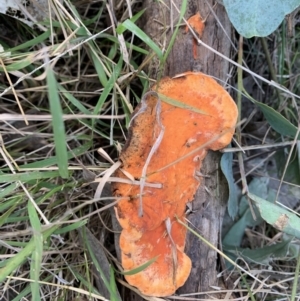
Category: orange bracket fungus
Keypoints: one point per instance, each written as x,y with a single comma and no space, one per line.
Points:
170,133
197,24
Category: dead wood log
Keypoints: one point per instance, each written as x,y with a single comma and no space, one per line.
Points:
210,201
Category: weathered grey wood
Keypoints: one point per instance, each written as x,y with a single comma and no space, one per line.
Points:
209,203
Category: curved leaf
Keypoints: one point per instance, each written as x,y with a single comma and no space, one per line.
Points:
128,24
278,122
277,216
226,166
256,17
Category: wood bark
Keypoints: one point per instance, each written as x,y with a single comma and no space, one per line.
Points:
210,200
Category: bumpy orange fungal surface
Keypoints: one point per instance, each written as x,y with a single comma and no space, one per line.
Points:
198,26
196,23
188,135
172,266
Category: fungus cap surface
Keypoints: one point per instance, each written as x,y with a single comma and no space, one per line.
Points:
197,114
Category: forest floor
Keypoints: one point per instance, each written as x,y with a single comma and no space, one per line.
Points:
67,91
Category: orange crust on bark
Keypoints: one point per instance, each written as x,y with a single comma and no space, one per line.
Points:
197,23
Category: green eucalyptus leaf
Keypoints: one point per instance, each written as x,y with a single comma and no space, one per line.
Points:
256,17
226,167
277,216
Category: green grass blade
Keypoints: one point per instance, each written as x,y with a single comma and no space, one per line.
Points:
113,286
10,203
4,216
51,193
33,42
7,190
58,125
85,282
133,47
179,104
111,82
73,100
51,161
140,268
28,176
13,263
23,293
128,24
36,257
121,28
17,66
72,227
87,237
98,66
172,40
27,290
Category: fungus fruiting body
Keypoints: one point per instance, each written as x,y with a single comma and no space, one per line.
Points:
197,24
195,114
